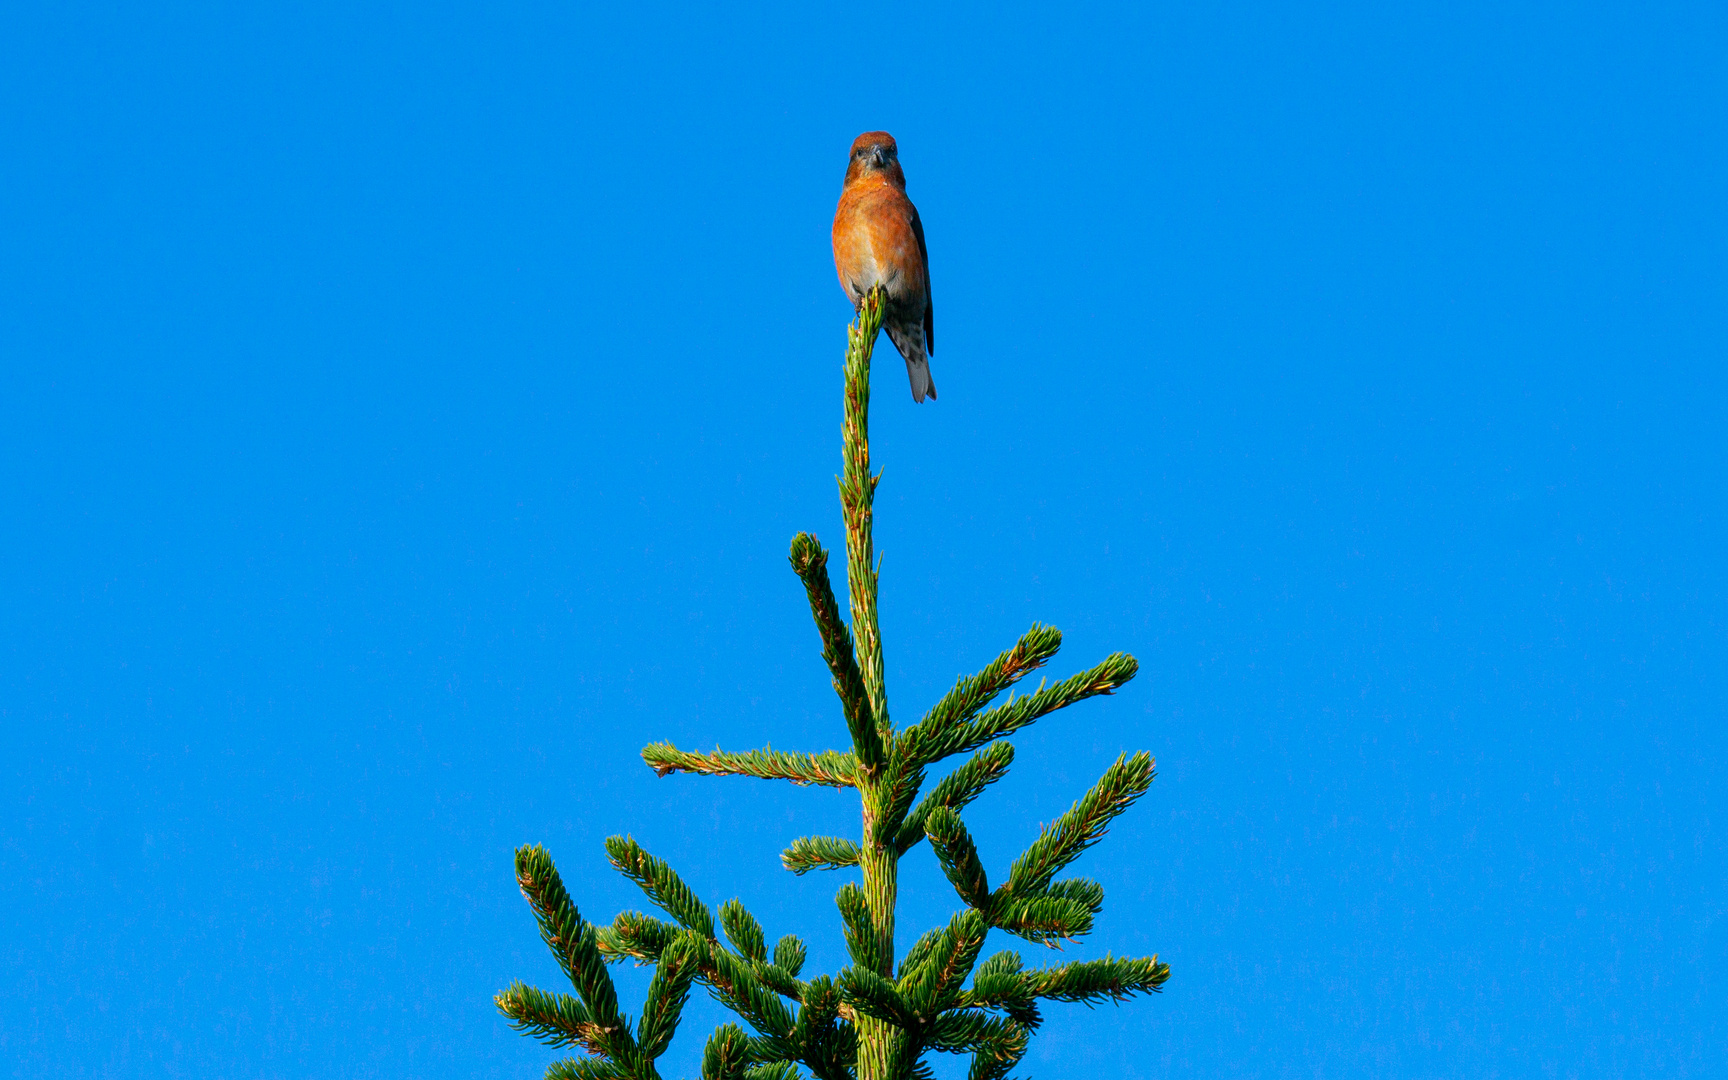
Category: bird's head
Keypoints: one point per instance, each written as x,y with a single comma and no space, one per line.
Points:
874,154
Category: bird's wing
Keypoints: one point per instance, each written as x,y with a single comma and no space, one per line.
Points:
929,305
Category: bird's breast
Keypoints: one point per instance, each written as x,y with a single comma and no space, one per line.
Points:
855,250
874,244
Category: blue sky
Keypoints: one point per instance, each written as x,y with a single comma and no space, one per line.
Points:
406,410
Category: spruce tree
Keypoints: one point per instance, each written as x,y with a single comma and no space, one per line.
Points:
876,1019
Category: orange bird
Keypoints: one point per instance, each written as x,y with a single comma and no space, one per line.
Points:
878,240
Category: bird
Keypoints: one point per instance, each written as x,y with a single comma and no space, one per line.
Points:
878,240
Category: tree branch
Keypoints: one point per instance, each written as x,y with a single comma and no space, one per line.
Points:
1065,839
828,768
935,744
959,856
1109,979
956,790
571,940
969,695
809,853
810,561
661,884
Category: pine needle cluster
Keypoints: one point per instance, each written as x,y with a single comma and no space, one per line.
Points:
877,1018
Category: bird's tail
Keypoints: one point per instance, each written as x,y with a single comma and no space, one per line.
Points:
910,342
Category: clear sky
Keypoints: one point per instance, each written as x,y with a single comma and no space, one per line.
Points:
405,411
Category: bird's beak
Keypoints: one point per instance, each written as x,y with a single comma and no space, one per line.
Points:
880,156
